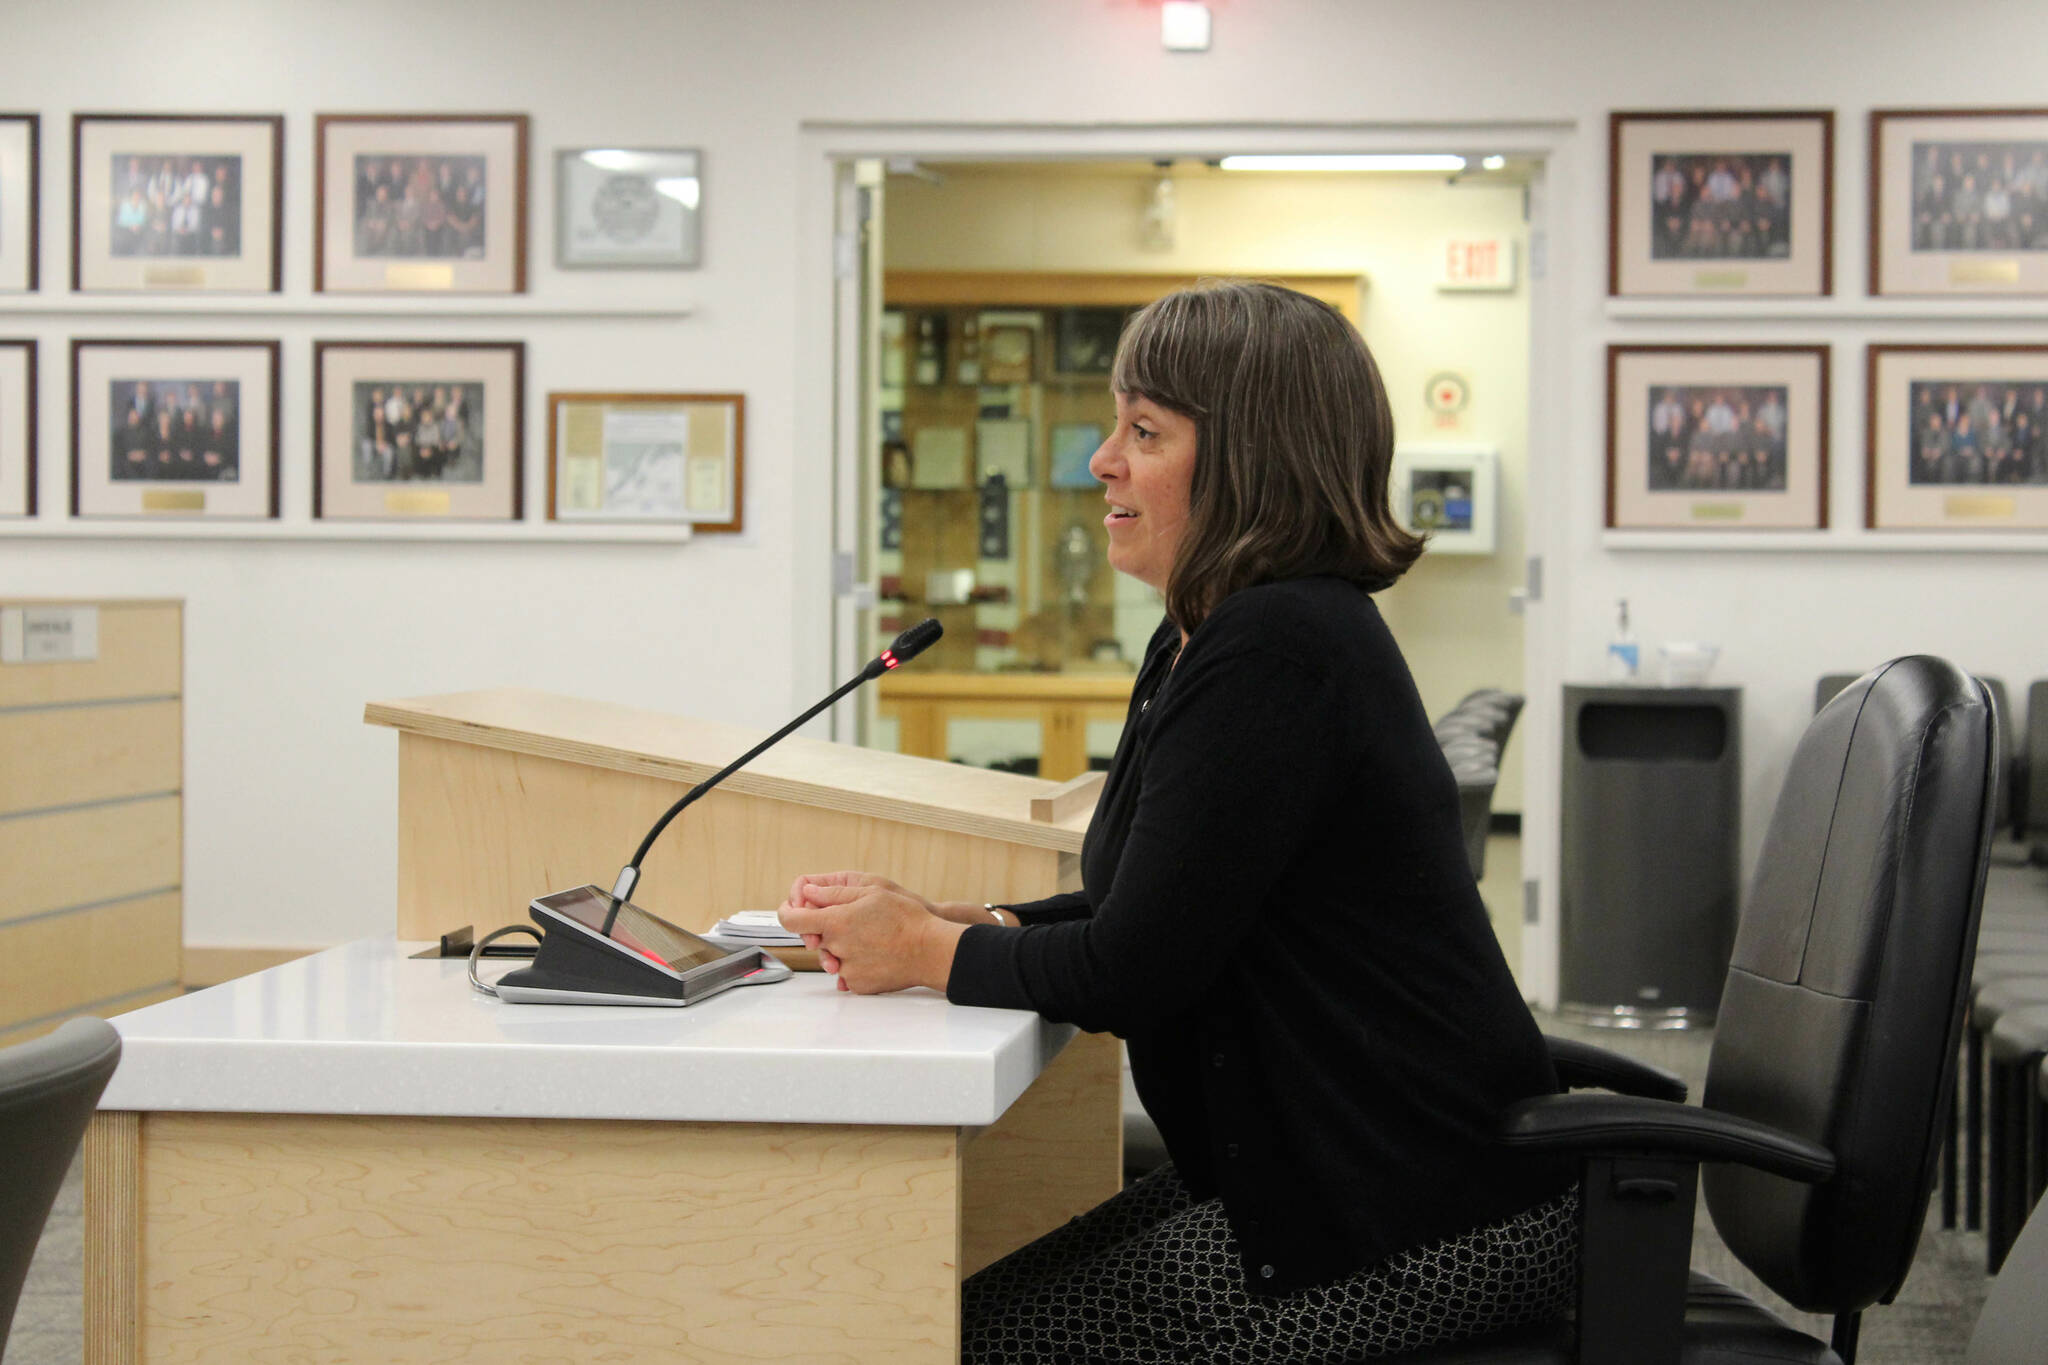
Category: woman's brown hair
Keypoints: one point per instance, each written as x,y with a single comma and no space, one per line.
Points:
1294,440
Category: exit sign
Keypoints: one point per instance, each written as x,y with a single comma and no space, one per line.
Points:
1478,263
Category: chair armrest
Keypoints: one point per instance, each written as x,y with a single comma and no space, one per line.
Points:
1595,1124
1581,1065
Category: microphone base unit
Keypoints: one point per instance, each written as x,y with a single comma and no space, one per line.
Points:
643,960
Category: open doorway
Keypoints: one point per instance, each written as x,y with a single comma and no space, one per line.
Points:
1019,268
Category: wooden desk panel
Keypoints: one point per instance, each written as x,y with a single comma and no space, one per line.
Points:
274,1238
70,755
84,856
119,952
231,1239
1056,1153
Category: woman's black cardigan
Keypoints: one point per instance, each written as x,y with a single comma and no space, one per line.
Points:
1279,918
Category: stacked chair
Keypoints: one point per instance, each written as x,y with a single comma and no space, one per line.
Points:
1834,1053
1996,1164
2031,817
2013,1326
1473,735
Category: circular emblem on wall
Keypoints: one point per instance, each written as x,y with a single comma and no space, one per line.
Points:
1447,392
624,208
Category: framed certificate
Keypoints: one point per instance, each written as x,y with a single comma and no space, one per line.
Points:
618,208
674,458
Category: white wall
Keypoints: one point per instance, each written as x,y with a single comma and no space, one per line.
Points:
290,797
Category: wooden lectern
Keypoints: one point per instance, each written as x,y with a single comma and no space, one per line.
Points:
509,794
352,1156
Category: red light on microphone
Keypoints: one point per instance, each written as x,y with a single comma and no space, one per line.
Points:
889,660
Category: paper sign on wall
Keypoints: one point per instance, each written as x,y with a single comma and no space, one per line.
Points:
49,635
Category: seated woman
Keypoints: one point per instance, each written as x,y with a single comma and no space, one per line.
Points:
1277,914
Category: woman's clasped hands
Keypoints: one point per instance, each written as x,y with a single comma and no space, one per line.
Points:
874,935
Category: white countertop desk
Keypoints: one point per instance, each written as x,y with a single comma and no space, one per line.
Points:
354,1157
366,1028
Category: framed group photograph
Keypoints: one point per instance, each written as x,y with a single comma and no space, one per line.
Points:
407,203
17,428
1717,438
1450,494
626,208
1959,201
1958,438
20,184
177,202
174,428
421,430
676,458
1720,203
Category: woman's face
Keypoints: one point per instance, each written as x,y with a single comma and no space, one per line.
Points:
1147,466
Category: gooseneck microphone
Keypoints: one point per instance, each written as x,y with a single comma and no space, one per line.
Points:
901,651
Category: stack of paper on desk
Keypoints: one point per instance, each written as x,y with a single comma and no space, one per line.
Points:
756,928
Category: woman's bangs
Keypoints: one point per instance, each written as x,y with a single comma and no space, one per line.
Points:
1154,361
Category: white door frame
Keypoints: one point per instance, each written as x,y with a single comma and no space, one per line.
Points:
825,450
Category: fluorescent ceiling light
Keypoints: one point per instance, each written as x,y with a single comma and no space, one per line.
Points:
1493,163
1378,161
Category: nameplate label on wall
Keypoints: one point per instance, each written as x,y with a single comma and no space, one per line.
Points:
173,276
417,502
1981,507
1984,272
49,635
1478,263
419,277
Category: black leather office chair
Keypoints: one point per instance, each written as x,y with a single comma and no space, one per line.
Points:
48,1088
1835,1042
2011,771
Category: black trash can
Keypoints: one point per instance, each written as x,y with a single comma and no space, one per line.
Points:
1651,836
